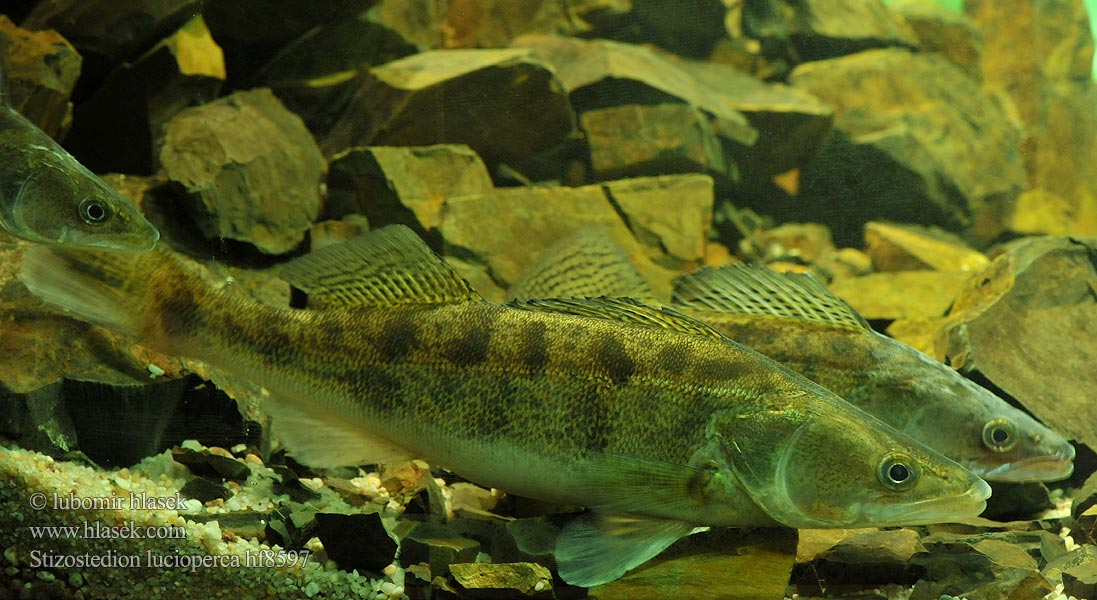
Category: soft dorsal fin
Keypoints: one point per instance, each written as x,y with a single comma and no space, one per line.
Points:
585,263
384,267
743,289
624,310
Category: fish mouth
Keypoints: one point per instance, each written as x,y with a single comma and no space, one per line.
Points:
136,242
1052,467
938,510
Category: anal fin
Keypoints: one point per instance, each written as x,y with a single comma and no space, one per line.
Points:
594,549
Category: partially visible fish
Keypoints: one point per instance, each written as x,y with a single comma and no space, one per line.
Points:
797,321
47,196
650,419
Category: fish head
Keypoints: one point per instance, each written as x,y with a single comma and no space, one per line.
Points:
986,434
819,462
61,202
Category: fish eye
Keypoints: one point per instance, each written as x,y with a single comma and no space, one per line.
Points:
94,212
1000,435
897,472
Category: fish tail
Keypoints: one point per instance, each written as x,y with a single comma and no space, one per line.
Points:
118,290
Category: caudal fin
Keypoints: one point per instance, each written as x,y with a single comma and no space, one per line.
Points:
112,289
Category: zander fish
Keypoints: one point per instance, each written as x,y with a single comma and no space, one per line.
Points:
797,321
652,420
47,196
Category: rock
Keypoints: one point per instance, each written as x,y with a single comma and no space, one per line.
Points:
630,86
1028,324
1078,558
1085,496
1017,501
42,68
315,74
438,546
204,490
670,216
869,560
1051,87
901,295
206,463
791,123
107,32
408,102
494,23
981,566
754,563
506,580
947,32
818,29
693,37
532,539
252,167
115,129
918,333
814,542
1080,581
807,242
403,185
634,140
485,248
253,31
357,541
912,136
1039,211
896,247
328,233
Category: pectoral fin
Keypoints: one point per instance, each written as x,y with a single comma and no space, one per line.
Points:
594,549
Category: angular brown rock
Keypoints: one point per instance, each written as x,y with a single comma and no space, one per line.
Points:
897,247
252,168
630,85
670,216
438,546
901,295
504,580
42,68
755,564
403,185
633,140
117,126
791,123
485,247
913,134
1029,324
819,29
438,97
947,32
1039,53
107,32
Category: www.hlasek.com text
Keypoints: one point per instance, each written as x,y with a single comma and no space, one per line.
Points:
94,530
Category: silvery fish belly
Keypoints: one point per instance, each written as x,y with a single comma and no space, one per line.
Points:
652,420
797,321
47,196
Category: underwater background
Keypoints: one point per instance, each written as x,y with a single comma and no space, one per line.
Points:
932,163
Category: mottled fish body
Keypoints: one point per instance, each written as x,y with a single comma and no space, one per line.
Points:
46,195
652,420
797,321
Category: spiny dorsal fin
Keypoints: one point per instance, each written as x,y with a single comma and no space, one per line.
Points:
384,267
624,310
585,263
743,289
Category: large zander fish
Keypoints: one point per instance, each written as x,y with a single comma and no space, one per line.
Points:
797,321
652,420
